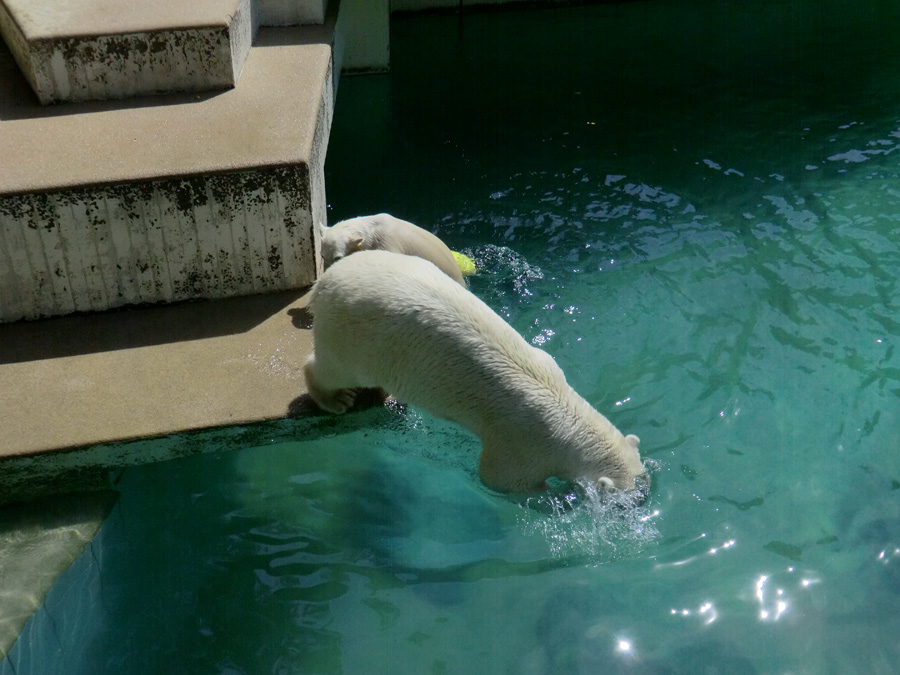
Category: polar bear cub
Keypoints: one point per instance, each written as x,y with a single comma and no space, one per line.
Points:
431,343
386,233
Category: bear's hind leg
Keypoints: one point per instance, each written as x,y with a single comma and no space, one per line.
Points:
334,400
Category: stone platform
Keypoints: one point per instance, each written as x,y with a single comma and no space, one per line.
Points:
164,198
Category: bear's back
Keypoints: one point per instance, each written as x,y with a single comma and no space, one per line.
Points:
408,328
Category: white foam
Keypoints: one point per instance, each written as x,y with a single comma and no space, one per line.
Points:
587,521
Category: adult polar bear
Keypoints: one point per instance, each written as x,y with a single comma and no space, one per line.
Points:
393,321
387,233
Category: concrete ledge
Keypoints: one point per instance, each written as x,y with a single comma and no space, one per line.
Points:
270,120
79,381
208,236
149,372
91,50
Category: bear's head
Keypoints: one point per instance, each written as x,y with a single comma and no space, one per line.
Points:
634,471
338,242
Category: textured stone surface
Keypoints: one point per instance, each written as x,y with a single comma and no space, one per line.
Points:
206,236
90,50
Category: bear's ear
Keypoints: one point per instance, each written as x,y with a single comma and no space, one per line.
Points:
354,245
634,440
322,229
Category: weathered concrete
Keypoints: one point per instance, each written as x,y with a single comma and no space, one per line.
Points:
200,237
90,50
111,49
187,198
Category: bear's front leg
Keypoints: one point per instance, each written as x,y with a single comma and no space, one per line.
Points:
334,400
499,473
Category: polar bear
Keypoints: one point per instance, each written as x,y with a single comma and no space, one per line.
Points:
432,343
387,233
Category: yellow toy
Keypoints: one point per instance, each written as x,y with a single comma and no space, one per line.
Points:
466,264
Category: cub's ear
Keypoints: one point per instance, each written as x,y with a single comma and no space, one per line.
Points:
634,440
354,245
322,229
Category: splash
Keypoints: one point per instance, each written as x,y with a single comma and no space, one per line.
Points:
584,521
505,267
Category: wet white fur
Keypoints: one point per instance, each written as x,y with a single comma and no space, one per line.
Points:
386,233
431,343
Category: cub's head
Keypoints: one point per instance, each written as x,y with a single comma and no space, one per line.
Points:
339,241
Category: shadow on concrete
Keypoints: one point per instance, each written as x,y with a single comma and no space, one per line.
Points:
144,326
312,34
301,317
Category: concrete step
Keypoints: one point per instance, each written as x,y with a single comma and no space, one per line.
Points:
105,204
71,384
177,196
85,50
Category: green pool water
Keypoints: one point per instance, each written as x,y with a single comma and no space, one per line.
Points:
694,206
